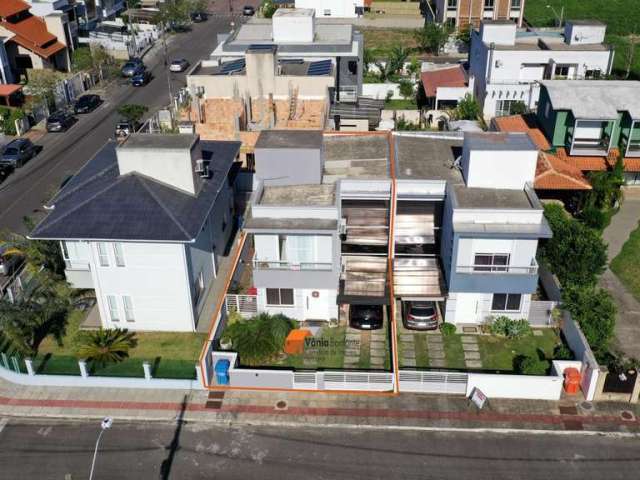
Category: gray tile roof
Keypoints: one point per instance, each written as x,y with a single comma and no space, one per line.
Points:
290,139
100,204
493,141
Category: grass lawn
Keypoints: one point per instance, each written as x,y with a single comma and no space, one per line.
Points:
627,264
422,356
171,354
498,353
453,353
327,353
382,40
408,104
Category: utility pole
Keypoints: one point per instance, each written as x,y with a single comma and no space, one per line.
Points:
106,424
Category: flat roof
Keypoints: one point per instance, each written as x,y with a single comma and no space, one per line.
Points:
294,12
165,141
299,195
505,141
291,224
353,156
261,31
428,156
490,198
595,99
289,139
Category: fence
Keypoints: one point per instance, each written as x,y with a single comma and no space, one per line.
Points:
245,305
433,382
541,313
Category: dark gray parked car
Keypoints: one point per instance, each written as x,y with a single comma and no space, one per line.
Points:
130,68
59,121
18,152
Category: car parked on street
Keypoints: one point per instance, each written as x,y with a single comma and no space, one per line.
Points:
59,121
9,263
87,103
198,17
179,65
420,315
124,128
366,317
141,78
17,153
248,11
130,68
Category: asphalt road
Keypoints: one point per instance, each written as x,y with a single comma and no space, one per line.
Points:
28,188
52,450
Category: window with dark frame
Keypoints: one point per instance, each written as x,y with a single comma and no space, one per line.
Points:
280,296
452,4
491,262
562,71
516,3
506,302
488,4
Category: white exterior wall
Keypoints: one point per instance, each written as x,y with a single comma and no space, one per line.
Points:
155,276
522,252
465,308
529,216
332,8
510,169
293,25
267,248
306,306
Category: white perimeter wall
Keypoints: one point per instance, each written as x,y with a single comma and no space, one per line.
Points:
516,386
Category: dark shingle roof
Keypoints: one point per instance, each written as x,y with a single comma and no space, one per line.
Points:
289,139
100,204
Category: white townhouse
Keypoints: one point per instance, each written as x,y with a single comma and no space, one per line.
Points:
145,224
465,232
507,64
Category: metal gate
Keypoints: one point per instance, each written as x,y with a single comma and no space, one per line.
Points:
454,383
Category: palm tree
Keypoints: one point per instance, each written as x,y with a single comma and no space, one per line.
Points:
102,346
39,311
397,56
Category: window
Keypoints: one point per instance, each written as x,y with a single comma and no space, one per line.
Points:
327,13
103,255
561,71
452,4
505,107
65,250
280,296
112,303
300,248
128,308
593,74
491,262
516,3
506,302
118,253
353,67
488,4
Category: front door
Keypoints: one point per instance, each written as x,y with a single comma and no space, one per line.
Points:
316,305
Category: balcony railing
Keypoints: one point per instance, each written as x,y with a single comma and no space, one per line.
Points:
293,266
499,269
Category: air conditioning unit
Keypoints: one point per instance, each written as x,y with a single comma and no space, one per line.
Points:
202,168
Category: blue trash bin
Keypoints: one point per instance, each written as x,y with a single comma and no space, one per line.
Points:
222,371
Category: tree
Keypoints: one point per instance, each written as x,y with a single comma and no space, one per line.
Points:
104,346
629,53
38,253
575,253
39,311
468,108
414,67
606,189
406,88
132,112
432,37
268,8
174,13
41,85
397,57
367,59
464,35
595,311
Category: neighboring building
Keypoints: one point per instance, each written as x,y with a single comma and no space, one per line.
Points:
29,42
145,224
590,124
508,64
292,71
93,12
467,223
445,85
62,17
334,8
462,13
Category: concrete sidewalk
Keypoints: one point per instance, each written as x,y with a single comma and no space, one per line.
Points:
321,409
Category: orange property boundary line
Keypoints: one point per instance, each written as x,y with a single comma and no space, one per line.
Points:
392,320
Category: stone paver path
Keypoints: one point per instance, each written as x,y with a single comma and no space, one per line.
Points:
435,350
352,350
471,351
378,351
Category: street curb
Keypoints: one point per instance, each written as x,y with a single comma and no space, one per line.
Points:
336,426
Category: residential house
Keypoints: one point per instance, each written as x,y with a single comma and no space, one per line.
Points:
464,13
445,85
334,8
590,124
62,17
92,12
293,71
460,226
508,64
145,224
28,40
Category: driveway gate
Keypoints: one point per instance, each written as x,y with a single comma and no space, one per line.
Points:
433,382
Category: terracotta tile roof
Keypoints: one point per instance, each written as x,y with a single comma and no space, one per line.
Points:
32,34
632,164
11,7
8,89
445,77
584,163
522,123
552,173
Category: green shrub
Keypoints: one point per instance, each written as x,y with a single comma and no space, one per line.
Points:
562,352
594,218
9,117
448,329
531,365
509,328
258,339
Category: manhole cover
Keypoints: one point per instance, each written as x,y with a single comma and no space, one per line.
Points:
627,415
281,405
586,406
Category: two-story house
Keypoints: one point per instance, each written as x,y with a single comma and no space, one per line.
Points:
508,64
465,227
464,13
590,124
145,224
291,71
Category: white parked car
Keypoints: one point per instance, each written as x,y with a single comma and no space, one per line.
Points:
179,65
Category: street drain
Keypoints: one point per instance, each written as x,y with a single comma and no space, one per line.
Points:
586,406
627,415
281,405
